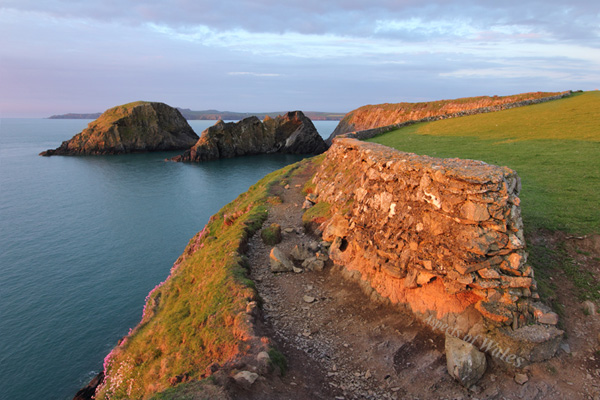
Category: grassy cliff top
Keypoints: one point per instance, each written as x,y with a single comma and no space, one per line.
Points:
123,109
118,112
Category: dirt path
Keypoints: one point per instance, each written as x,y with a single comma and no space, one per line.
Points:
341,345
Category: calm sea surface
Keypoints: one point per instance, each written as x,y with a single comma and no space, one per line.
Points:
84,239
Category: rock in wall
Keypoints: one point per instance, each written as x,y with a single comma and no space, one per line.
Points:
442,236
292,133
131,128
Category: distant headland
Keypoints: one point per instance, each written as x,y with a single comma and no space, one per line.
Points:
218,115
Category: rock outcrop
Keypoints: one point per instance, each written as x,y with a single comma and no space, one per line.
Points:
443,236
371,120
89,391
131,128
292,133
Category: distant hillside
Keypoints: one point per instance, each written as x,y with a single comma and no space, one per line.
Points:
234,116
380,115
76,116
217,115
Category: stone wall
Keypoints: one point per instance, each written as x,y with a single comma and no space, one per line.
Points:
442,236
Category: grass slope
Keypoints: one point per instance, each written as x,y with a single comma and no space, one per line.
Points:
554,147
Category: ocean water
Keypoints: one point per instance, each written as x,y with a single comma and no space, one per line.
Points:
84,239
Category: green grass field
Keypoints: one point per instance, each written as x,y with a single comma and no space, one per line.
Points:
554,147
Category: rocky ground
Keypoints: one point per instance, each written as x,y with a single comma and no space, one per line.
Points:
342,344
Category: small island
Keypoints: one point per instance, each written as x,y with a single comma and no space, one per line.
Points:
292,133
131,128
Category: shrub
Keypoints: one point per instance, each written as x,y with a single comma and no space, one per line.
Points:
271,235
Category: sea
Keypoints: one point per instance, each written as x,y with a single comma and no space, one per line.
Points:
84,239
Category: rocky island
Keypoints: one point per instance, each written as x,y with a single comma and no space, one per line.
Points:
131,128
292,133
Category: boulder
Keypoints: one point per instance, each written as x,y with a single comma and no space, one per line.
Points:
263,357
313,264
521,379
264,363
465,363
313,246
300,252
245,378
292,133
543,314
307,204
530,343
131,128
589,308
279,261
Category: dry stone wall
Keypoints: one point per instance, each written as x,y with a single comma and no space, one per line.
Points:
442,236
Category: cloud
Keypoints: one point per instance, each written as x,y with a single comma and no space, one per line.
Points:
420,29
331,55
254,74
576,19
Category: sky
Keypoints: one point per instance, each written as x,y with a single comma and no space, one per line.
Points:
59,56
